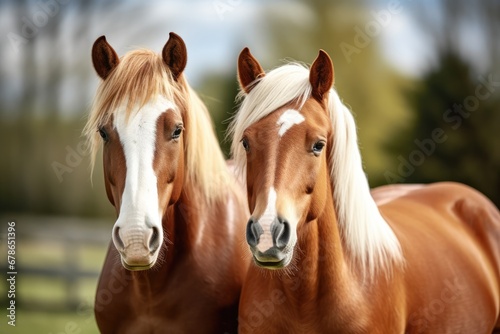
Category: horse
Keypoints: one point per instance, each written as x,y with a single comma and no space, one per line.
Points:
329,255
176,262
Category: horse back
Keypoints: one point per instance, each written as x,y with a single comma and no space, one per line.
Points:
450,237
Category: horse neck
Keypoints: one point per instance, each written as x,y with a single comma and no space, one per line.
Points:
323,270
181,225
183,222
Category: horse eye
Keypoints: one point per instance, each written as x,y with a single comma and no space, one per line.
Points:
244,142
318,147
103,134
177,132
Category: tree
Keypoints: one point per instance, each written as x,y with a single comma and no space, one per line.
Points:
296,31
458,102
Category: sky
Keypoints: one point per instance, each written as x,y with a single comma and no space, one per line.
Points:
214,31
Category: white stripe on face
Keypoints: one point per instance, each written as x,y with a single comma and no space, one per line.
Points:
288,119
265,221
138,137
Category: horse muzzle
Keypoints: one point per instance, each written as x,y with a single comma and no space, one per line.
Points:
138,246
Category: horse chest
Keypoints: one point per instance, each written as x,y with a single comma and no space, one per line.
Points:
171,320
178,305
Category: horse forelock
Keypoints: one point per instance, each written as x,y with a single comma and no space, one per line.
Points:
277,88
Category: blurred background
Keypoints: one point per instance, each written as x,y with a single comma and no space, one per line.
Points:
421,77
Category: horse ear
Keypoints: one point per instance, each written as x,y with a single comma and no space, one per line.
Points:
249,70
174,55
321,76
104,57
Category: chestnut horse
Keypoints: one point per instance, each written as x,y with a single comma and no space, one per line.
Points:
175,264
329,258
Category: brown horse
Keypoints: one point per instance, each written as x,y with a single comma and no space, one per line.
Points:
177,264
329,258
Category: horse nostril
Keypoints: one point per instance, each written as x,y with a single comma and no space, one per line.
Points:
282,233
154,241
118,241
253,233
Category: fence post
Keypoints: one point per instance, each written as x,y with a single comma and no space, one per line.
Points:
71,249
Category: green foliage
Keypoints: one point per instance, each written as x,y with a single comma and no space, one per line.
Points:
50,323
218,92
369,86
40,140
44,171
465,106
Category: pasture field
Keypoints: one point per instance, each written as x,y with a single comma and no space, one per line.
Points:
57,261
39,322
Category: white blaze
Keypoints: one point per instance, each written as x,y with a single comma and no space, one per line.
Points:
265,221
140,195
288,119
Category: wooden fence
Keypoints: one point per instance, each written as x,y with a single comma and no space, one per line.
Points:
71,236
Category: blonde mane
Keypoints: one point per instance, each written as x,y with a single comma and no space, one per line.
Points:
142,76
369,240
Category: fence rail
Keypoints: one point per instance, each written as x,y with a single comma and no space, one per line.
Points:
72,237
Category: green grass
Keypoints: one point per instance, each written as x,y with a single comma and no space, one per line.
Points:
34,288
51,323
36,291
